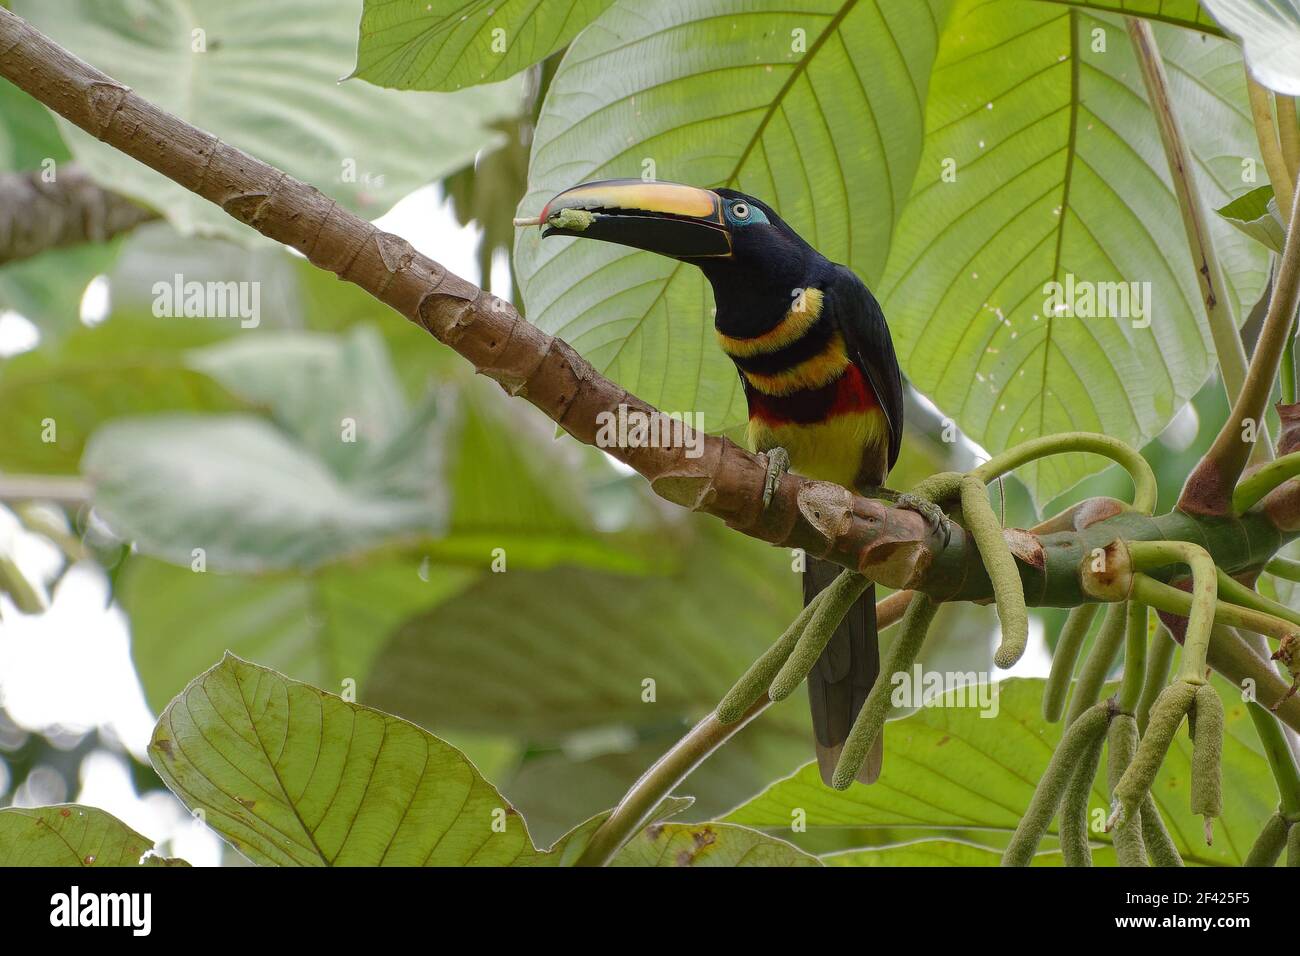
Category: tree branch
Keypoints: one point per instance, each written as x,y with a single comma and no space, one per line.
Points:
36,215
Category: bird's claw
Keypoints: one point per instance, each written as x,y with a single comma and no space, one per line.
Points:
778,463
928,510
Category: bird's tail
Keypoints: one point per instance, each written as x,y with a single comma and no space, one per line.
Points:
840,680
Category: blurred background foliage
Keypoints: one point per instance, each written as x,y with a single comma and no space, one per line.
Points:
458,563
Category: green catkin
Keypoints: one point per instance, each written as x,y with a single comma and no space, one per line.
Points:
1093,676
575,220
1075,847
1160,656
754,683
1130,845
866,728
837,600
1166,717
1064,658
1074,746
1268,845
1293,845
1008,591
1160,845
1207,757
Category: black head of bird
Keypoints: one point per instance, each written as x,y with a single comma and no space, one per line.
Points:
755,262
816,363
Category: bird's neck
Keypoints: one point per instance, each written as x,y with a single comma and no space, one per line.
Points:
750,305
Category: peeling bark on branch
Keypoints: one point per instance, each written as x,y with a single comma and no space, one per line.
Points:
36,215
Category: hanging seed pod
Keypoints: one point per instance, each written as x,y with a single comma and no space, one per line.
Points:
1075,839
1268,845
1166,717
1122,741
754,683
871,718
837,601
1159,844
1293,845
1078,741
1064,658
1207,757
1008,590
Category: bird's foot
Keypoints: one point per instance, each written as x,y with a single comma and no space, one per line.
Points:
932,513
778,463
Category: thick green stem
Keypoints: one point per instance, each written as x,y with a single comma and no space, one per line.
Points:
1288,134
1234,592
1166,717
656,783
1261,111
1074,747
1209,489
1280,758
1122,745
1064,658
1145,489
1164,597
1268,845
1205,590
1160,845
1251,489
871,718
1008,591
1196,221
1076,842
1286,568
1100,660
1135,657
1163,646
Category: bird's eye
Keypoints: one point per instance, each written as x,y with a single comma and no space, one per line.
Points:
740,210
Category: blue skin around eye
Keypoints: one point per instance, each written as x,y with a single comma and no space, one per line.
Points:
755,216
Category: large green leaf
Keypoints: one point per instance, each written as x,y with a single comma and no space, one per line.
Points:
1255,213
942,852
951,767
1181,13
557,659
266,81
242,491
293,776
517,492
349,466
1270,32
312,384
813,105
1060,176
593,769
322,627
554,652
28,135
125,366
709,844
448,44
72,835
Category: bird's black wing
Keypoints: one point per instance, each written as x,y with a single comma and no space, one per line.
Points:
866,336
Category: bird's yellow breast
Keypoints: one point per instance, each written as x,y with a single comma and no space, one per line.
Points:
830,450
